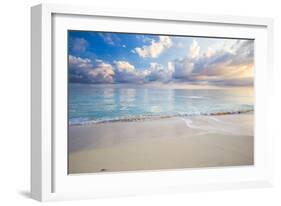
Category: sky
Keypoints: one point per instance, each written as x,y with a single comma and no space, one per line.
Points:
114,58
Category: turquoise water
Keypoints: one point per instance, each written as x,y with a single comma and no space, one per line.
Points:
101,103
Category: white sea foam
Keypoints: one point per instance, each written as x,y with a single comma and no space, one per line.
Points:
195,97
210,124
189,122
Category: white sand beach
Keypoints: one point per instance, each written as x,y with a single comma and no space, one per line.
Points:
171,143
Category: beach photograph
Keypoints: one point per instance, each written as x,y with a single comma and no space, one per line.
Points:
140,102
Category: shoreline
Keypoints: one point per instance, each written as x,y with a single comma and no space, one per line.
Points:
171,143
158,117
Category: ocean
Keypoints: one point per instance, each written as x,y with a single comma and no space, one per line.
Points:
97,103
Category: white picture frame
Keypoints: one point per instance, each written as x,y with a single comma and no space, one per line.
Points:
49,179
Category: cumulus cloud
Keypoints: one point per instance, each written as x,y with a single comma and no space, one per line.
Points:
194,50
183,68
85,71
233,66
155,48
157,72
124,66
126,73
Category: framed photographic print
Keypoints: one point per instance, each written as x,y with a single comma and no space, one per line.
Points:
134,102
